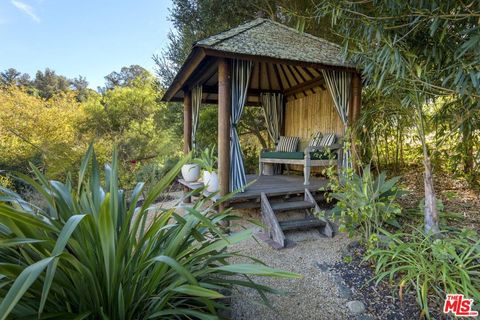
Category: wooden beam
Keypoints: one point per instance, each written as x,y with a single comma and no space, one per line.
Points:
355,106
232,55
269,81
187,122
205,71
215,101
277,74
272,227
214,89
187,131
193,60
317,82
224,110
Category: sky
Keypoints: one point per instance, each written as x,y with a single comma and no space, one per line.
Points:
90,38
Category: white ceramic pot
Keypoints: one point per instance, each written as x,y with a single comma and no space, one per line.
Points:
190,172
210,180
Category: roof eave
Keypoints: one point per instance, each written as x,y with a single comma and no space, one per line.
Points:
263,58
193,60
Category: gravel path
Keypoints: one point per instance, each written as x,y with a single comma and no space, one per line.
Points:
315,296
319,294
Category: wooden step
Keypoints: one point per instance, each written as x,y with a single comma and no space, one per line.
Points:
291,205
306,223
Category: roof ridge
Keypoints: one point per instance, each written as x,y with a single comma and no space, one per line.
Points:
242,28
303,33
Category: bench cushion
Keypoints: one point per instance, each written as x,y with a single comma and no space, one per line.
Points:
287,144
297,155
315,140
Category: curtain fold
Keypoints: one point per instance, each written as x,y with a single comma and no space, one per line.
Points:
339,86
196,102
272,104
240,74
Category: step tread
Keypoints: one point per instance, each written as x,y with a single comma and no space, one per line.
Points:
307,223
291,205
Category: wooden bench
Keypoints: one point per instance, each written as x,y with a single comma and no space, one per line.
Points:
306,159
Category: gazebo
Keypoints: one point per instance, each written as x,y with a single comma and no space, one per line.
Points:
300,80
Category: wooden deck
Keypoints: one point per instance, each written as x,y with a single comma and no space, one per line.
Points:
273,186
278,185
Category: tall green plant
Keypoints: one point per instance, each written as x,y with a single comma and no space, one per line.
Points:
365,203
95,253
388,41
432,267
207,159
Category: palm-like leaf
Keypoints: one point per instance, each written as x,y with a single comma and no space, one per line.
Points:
89,254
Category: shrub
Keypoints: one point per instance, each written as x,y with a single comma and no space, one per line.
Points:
365,203
431,266
95,255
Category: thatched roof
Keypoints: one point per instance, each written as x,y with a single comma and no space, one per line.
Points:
285,59
267,38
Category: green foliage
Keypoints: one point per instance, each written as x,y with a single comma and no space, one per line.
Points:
127,77
207,159
93,254
48,83
431,266
250,157
365,203
207,132
53,132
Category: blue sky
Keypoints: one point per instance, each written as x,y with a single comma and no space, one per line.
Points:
82,37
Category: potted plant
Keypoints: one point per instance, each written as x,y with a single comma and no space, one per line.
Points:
207,161
191,171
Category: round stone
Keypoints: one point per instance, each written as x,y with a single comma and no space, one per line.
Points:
356,307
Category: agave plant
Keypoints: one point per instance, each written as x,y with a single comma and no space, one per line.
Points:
91,254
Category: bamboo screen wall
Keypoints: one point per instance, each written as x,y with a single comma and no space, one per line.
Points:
308,114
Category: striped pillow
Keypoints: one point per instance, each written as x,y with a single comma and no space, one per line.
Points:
287,144
316,139
327,140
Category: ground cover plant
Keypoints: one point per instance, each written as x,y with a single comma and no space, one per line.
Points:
429,265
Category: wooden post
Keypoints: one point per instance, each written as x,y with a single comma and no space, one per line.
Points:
187,122
224,110
187,130
354,114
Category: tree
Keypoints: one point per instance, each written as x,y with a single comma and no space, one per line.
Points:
132,118
48,83
9,76
420,51
126,77
35,130
80,85
194,20
13,77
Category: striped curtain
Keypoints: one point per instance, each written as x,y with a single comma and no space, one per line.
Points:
339,83
241,71
272,104
196,102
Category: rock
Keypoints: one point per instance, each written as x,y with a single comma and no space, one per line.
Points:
322,266
355,307
344,290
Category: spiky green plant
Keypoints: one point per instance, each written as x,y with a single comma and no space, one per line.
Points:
430,265
92,254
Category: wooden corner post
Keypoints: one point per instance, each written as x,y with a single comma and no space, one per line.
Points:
224,109
355,106
187,129
187,122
